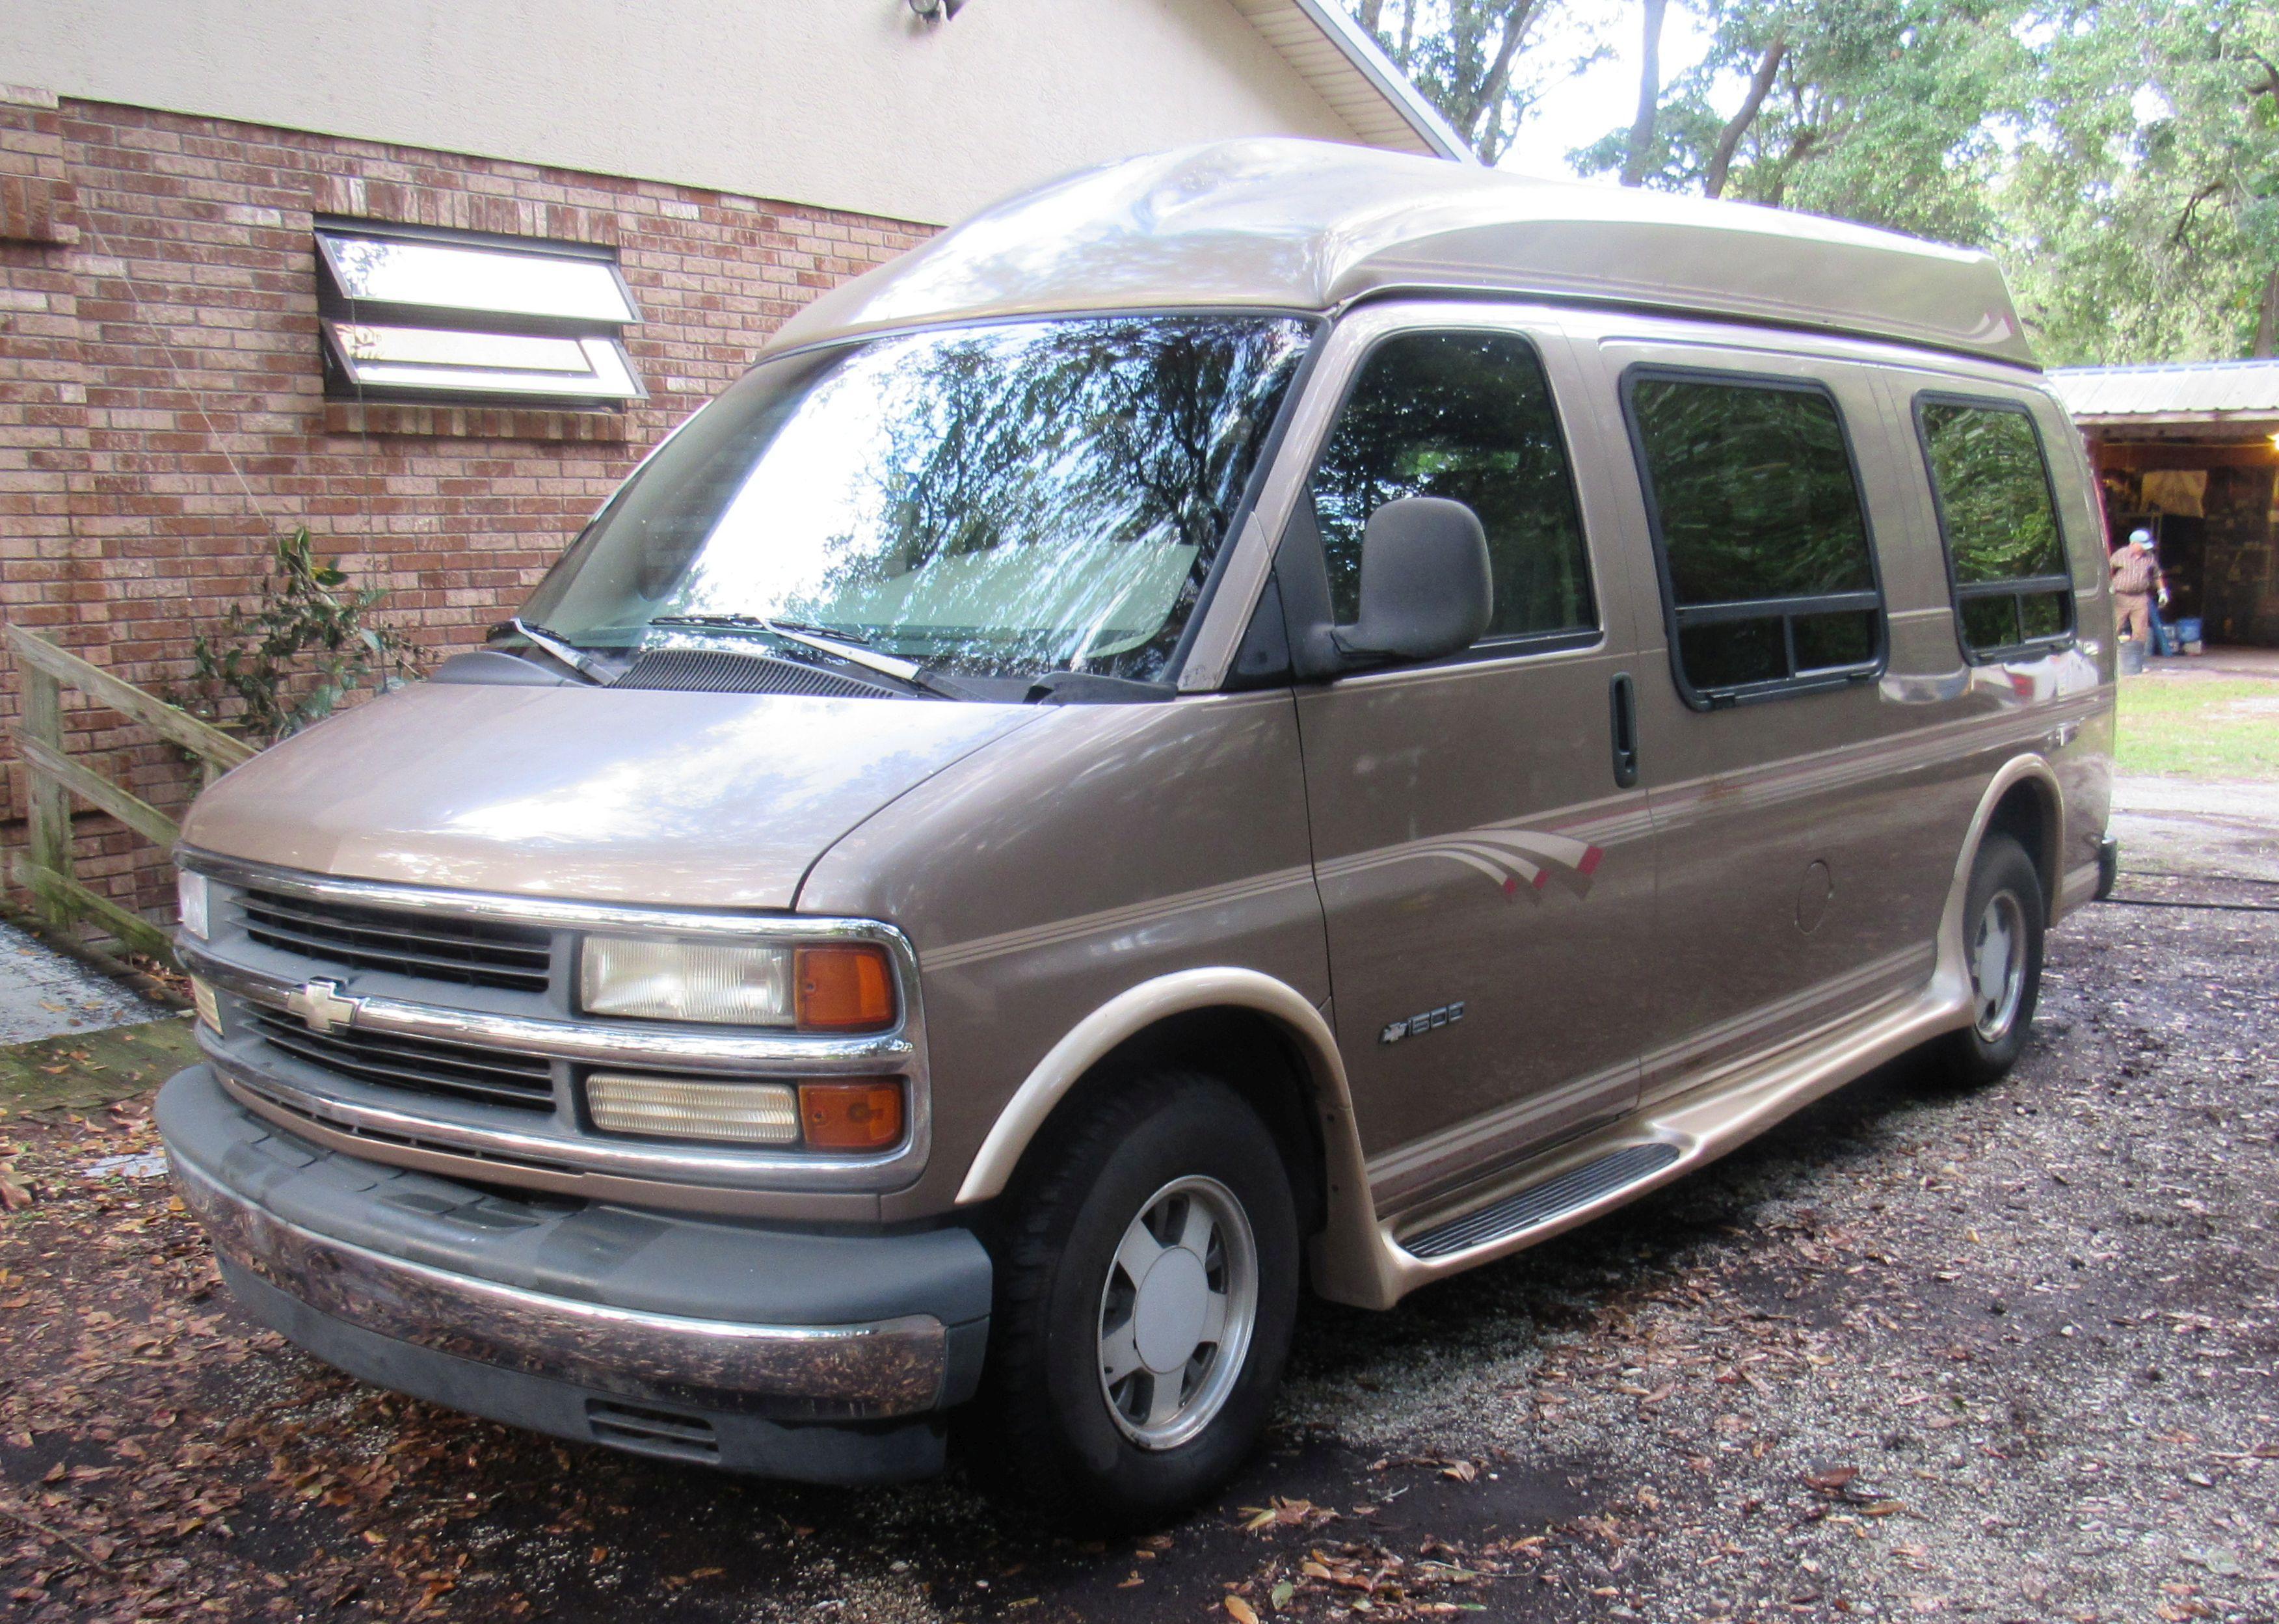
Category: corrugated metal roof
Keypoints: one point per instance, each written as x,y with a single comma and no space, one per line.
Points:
2212,390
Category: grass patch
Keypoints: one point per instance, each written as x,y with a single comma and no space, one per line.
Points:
2197,728
81,1072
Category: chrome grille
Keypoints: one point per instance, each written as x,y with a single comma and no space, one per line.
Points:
471,951
492,1076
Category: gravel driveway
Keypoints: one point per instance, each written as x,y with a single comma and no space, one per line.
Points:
2007,1354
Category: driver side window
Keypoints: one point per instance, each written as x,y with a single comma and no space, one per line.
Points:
1465,415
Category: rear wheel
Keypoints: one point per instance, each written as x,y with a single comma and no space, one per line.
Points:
1145,1301
2002,961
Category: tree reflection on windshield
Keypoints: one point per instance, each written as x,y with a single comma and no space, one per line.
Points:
1037,495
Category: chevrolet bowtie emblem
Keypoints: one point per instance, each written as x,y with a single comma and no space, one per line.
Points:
321,1007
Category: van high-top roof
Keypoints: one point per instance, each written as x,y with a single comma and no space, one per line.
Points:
1312,225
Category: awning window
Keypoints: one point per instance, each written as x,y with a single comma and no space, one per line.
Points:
414,314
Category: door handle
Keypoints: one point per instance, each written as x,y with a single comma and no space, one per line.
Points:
1624,700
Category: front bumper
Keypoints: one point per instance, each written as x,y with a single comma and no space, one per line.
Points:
787,1353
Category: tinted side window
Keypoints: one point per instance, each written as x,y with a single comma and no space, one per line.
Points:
1467,415
2005,553
1764,546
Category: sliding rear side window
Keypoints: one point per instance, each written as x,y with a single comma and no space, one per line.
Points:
1998,515
1768,579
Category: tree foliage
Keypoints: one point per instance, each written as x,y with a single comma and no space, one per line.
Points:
1481,62
2119,157
2142,208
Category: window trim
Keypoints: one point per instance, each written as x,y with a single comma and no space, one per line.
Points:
396,312
1509,644
2016,588
1675,617
335,305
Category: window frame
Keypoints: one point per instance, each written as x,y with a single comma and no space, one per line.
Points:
336,307
2019,588
1675,617
1510,645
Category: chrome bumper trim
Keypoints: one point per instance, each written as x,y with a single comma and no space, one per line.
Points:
591,1042
556,913
892,1368
383,1127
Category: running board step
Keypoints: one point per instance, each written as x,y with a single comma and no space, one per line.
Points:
1541,1203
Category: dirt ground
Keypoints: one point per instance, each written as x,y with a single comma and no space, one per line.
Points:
2007,1355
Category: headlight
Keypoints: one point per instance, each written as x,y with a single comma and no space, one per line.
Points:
834,987
687,981
190,892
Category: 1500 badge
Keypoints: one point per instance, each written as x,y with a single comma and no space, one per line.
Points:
1416,1025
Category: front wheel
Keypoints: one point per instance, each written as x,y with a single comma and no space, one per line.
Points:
2002,960
1146,1296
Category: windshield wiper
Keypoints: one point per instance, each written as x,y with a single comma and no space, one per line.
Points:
767,623
823,640
576,658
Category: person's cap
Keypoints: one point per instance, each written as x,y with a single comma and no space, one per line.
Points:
2142,538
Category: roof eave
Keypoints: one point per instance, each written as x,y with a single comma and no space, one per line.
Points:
2252,419
1369,60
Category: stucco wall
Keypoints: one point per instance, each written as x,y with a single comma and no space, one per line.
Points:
848,105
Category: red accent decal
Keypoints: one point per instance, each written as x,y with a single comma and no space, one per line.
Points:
1590,863
1511,887
1542,879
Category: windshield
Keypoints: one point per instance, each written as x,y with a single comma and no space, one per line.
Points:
998,500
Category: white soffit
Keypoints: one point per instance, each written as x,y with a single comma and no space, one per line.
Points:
1335,56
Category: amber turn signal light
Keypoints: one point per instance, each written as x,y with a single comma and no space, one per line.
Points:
845,987
851,1116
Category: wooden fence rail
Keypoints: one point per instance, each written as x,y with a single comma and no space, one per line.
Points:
44,866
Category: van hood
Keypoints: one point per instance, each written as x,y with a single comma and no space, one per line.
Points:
665,798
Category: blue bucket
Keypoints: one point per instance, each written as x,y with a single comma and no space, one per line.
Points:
2188,629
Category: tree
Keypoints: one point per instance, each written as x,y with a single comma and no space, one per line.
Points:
1649,101
2120,156
2142,208
1877,110
1471,58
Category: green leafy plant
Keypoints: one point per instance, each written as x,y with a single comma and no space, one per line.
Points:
291,658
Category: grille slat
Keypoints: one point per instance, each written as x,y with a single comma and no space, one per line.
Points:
652,1431
393,928
470,952
459,1071
408,963
378,1045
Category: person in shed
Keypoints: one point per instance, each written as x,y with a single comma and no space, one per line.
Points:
2136,583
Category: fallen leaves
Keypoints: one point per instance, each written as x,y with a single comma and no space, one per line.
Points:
1285,1513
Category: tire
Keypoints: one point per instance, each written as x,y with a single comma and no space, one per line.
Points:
2002,922
1093,1454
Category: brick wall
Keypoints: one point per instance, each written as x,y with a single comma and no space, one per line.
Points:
162,409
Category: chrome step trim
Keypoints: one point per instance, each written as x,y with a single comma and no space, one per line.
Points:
1539,1204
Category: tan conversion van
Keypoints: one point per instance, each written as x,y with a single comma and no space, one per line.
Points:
1267,716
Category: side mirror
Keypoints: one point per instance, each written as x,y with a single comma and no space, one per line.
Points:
1425,587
